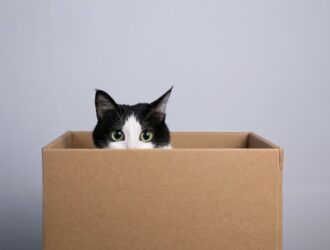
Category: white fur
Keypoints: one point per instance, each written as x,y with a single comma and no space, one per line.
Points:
132,130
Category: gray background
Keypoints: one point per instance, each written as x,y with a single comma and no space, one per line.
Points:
236,65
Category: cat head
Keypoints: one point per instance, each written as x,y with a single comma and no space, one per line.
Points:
131,126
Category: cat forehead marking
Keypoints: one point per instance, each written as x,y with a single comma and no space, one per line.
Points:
132,126
132,130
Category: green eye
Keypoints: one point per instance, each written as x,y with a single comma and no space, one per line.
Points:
146,136
117,135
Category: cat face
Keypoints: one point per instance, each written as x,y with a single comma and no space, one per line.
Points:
140,126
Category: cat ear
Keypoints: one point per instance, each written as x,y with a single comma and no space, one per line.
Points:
159,105
103,103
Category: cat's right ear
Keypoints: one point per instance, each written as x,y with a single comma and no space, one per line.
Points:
103,103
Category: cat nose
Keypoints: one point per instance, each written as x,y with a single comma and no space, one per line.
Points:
130,145
131,142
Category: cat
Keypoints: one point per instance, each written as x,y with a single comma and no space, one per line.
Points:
139,126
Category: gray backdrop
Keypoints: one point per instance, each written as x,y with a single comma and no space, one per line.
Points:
236,65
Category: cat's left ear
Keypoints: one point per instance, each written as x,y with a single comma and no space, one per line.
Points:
103,104
159,105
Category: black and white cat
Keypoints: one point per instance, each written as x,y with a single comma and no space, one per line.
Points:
139,126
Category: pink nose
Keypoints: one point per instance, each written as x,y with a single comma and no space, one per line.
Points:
130,146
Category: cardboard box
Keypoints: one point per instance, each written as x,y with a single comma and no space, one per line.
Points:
213,191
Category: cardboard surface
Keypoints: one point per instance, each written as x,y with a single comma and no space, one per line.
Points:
213,191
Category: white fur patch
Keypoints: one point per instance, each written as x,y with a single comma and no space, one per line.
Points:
132,130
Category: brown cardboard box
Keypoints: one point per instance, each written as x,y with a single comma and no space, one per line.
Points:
213,191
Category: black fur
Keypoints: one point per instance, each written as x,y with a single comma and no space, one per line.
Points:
112,116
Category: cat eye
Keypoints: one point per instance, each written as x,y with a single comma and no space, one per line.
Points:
146,136
117,135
